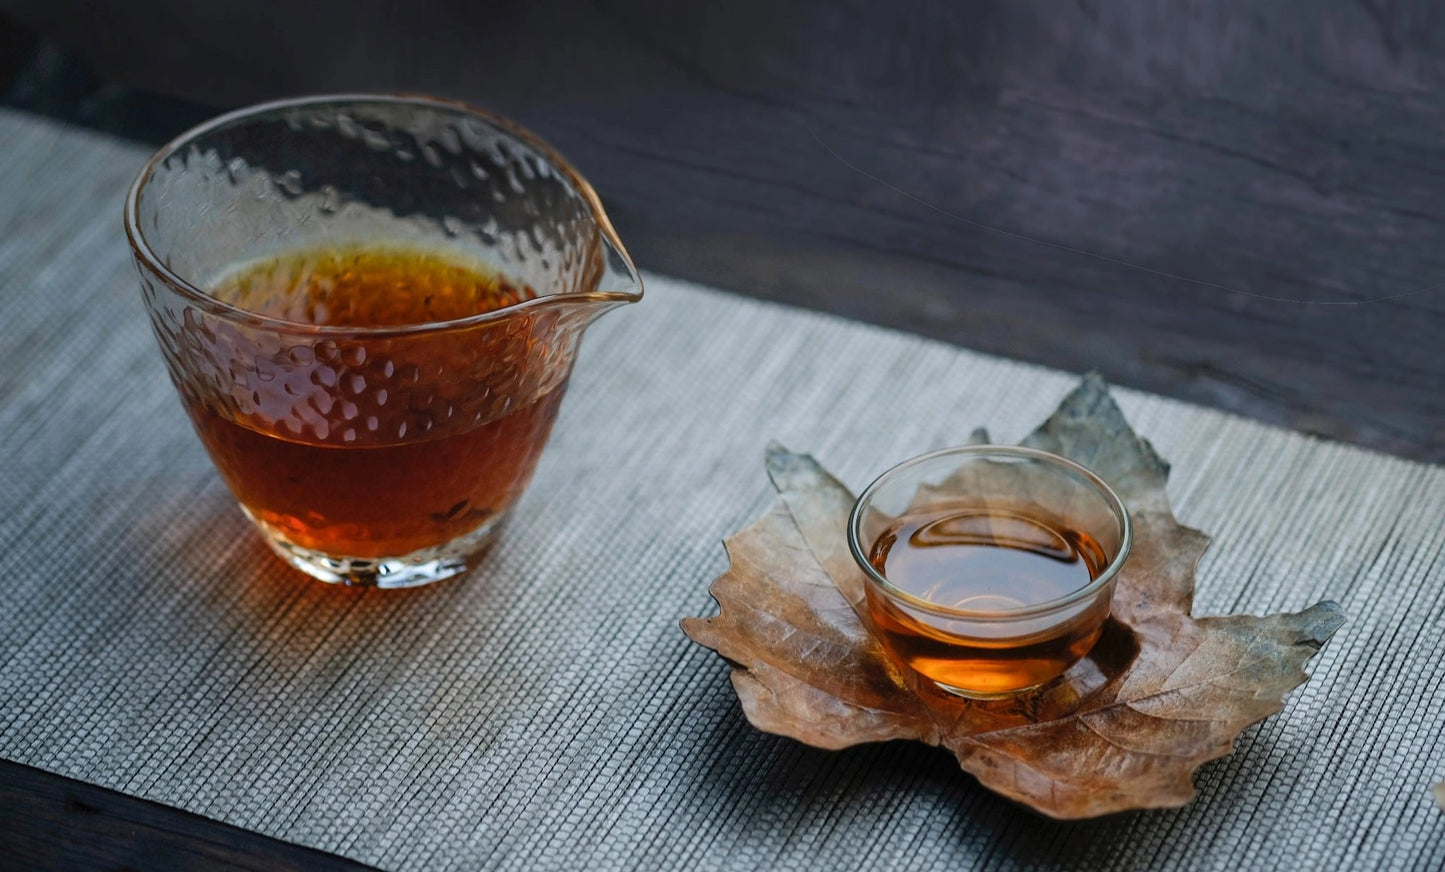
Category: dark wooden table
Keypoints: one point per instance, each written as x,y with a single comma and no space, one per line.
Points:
1237,206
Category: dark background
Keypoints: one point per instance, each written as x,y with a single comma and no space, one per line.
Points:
1229,202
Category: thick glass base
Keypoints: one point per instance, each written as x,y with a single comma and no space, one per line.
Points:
407,570
984,695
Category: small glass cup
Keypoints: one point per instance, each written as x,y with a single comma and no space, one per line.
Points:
387,453
989,569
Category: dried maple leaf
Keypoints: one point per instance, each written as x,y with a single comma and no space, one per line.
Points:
1161,693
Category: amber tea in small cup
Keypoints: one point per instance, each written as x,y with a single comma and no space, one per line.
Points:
370,306
989,568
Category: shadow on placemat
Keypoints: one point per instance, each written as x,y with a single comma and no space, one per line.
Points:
770,780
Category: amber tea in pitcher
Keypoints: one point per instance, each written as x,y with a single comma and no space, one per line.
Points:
375,472
370,305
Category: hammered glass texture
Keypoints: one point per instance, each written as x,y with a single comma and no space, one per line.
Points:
315,175
333,390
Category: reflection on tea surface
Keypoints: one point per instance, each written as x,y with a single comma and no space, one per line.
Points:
978,560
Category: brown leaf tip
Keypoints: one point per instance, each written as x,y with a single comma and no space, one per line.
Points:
1319,622
1089,428
791,472
1089,410
783,464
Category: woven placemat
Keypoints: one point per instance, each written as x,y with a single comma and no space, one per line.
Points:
546,711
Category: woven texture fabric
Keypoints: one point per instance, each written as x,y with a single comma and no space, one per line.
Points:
546,711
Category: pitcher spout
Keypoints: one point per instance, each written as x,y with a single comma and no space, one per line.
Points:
617,280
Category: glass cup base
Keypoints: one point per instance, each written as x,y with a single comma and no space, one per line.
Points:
418,568
983,695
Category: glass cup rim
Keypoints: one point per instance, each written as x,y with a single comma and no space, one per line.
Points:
147,256
1121,511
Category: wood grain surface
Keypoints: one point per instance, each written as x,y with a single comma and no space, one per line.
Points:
59,823
1229,204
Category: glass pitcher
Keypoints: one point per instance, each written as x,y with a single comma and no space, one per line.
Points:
370,306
